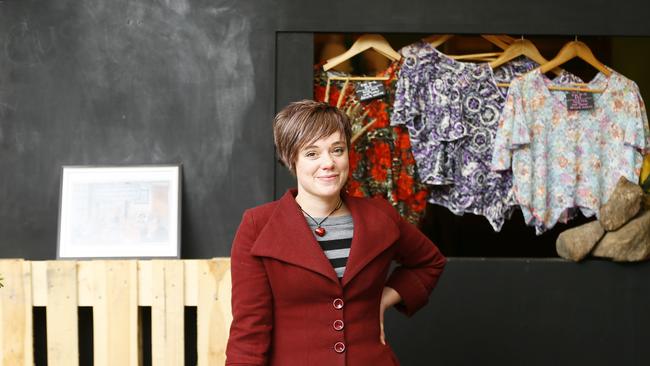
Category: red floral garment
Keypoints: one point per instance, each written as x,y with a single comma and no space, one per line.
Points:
381,161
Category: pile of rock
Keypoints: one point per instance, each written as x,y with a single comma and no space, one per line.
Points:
622,233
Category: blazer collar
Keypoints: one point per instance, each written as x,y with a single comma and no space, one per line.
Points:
287,237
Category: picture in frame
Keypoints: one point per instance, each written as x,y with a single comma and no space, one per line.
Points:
119,212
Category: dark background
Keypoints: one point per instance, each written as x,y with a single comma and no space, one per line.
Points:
197,82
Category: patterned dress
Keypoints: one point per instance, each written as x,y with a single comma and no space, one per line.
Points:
381,161
563,160
451,110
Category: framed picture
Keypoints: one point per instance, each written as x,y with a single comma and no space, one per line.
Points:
119,212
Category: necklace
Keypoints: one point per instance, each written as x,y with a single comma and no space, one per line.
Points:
319,230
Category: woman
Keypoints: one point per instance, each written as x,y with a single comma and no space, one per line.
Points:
309,271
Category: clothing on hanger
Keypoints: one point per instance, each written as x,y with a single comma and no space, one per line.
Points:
381,161
446,104
451,110
564,160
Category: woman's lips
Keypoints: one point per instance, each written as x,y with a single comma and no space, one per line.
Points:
328,178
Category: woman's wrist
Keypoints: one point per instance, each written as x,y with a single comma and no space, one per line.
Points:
390,297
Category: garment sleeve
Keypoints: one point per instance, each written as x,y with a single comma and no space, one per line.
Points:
405,105
420,266
512,131
252,309
637,131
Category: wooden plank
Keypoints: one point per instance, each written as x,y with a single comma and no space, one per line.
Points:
39,283
144,283
16,313
192,281
167,313
86,282
27,305
115,313
213,311
61,314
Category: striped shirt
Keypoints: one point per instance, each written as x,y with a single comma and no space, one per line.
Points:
337,240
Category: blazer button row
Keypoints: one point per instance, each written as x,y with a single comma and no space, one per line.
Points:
339,347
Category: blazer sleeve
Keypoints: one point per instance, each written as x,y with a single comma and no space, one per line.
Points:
252,306
420,265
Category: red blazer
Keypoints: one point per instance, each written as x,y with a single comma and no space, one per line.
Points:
289,308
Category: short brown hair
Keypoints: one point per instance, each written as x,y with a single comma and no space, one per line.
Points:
301,123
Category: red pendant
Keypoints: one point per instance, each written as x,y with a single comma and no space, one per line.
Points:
320,231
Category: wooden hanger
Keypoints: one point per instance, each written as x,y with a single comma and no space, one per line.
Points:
366,41
500,41
572,50
437,39
568,52
522,47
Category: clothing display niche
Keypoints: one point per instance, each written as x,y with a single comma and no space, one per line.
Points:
487,141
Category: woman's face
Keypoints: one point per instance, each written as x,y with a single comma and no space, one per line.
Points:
322,167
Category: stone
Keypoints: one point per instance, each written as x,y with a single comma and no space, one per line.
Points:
646,201
623,204
631,243
576,243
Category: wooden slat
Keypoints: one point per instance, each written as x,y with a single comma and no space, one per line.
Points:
86,282
115,313
167,313
16,314
61,314
213,311
192,281
144,283
39,283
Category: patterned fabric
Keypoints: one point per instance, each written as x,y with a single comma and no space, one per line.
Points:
451,110
563,160
381,161
337,241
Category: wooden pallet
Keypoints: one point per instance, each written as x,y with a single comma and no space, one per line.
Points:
114,289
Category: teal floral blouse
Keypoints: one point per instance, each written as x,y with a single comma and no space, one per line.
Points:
566,160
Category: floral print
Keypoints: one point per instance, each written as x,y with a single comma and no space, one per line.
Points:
451,110
567,160
381,161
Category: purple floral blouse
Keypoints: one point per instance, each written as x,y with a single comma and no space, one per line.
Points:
451,110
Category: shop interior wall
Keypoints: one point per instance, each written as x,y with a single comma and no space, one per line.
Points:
501,311
194,82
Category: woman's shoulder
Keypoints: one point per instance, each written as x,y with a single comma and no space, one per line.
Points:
262,211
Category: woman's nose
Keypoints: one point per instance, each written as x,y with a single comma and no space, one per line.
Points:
328,162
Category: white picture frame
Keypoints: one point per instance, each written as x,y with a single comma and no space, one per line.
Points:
119,212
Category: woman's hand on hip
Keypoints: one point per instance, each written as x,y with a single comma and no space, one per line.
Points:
389,297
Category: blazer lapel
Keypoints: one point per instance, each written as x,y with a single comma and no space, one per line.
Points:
374,232
287,237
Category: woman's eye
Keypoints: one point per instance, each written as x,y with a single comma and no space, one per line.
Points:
310,154
339,150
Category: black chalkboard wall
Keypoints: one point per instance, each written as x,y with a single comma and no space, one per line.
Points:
134,82
197,82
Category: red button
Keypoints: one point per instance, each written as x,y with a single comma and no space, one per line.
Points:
338,325
339,347
338,304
